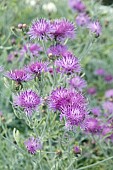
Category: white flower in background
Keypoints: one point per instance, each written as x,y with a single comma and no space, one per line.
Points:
50,7
31,2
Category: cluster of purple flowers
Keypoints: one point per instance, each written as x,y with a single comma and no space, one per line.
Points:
71,104
58,29
83,19
108,78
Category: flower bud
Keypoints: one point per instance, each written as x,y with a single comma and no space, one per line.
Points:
20,26
77,150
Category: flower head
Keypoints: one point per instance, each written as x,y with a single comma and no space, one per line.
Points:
33,145
109,93
108,78
40,29
95,28
107,107
91,91
57,50
60,98
68,64
77,150
78,83
34,49
91,125
74,114
28,100
19,76
77,5
12,56
96,111
62,29
37,68
82,19
106,130
100,72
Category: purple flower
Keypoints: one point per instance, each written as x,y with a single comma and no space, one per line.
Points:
77,5
19,76
57,50
76,150
78,83
37,68
40,29
71,104
91,91
63,29
33,145
28,100
108,78
68,64
109,93
96,111
34,49
10,57
108,107
100,72
74,114
82,19
91,125
1,69
60,98
107,131
95,27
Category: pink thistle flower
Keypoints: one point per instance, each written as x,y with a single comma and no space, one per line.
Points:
100,72
96,111
91,91
107,132
91,125
95,28
107,107
77,150
33,145
19,75
77,5
108,78
109,93
78,83
40,29
37,68
57,50
63,29
34,49
28,100
60,98
74,114
68,64
82,19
